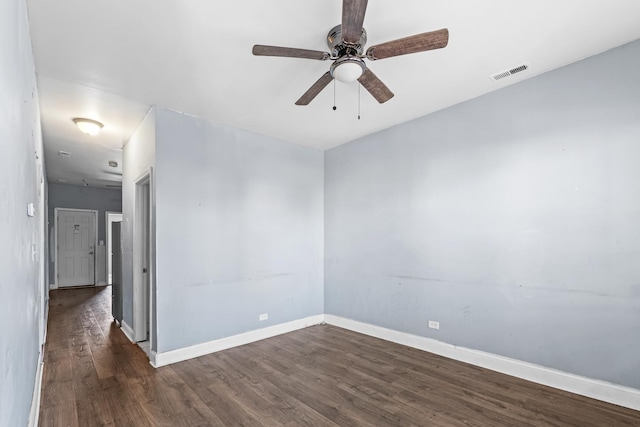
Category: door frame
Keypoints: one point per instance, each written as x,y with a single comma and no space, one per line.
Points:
55,237
108,238
139,300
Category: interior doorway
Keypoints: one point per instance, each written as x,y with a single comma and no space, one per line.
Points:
75,246
143,263
116,285
110,218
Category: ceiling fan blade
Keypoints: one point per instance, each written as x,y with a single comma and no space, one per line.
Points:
352,19
315,89
375,86
289,52
412,44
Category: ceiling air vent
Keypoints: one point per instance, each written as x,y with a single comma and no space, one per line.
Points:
508,73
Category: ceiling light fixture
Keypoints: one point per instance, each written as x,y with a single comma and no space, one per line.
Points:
88,126
348,69
113,163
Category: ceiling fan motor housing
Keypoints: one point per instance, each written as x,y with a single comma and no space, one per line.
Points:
339,48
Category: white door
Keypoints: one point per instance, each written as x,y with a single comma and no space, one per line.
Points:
76,247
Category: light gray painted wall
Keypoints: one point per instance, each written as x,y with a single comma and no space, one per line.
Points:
22,265
513,219
79,197
139,155
239,231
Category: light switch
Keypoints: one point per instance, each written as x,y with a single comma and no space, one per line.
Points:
31,210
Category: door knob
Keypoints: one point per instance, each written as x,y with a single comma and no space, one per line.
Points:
90,253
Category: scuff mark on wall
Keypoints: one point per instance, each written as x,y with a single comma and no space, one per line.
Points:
239,279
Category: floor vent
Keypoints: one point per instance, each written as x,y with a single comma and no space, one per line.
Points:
508,73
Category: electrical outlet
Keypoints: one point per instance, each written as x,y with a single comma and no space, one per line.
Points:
434,325
263,316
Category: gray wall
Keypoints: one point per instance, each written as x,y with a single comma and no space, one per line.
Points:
22,265
139,155
79,197
513,219
239,231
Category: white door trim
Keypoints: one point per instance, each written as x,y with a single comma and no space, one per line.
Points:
139,320
55,236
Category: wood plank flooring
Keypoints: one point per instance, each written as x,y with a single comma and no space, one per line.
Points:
319,376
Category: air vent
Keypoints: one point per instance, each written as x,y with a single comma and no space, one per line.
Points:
508,73
114,186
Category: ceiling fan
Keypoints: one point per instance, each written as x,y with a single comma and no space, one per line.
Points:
346,44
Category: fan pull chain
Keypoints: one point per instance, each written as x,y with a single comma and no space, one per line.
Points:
359,100
334,95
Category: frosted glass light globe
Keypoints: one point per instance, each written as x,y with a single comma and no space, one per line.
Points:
88,126
347,72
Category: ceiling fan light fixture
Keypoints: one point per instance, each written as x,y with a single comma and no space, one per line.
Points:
346,43
88,126
348,69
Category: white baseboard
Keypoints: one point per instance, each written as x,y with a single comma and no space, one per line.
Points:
102,283
53,286
46,321
127,330
597,389
153,359
34,414
185,353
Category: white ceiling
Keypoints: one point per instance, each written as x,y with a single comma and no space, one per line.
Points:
88,163
110,60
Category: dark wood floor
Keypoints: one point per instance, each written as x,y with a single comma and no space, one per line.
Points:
319,376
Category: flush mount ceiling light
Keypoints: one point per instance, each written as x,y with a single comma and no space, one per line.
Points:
88,126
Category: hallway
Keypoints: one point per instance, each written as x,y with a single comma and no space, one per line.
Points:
92,372
318,376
